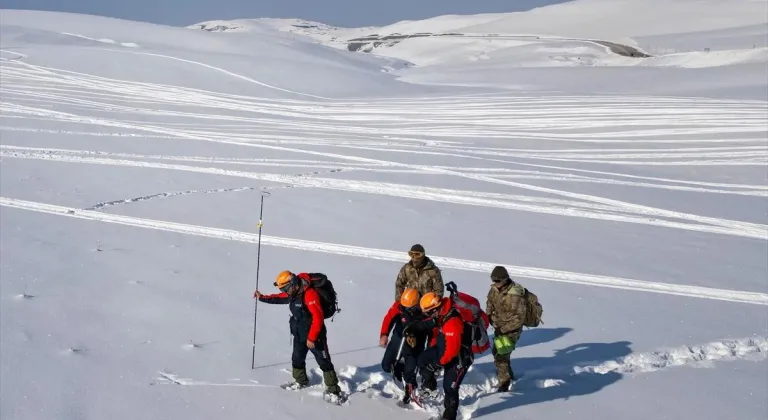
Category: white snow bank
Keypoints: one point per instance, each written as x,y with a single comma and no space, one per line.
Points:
622,20
703,59
751,348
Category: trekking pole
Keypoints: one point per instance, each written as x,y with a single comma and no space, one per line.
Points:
400,349
402,341
256,302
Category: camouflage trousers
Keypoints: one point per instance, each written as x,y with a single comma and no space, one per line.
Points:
502,361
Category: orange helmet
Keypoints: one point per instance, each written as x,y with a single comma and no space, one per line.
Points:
430,301
409,298
283,279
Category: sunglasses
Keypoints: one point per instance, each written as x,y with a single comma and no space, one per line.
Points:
498,279
432,313
415,254
287,286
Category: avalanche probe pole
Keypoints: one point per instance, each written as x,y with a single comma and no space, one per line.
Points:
256,301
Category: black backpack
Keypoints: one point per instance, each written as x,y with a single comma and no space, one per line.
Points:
328,298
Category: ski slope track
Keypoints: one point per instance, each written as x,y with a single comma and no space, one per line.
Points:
528,272
559,207
486,114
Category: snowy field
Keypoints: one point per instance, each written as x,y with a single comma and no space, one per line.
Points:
629,193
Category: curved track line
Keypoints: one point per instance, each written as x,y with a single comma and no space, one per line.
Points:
574,209
227,72
388,255
749,229
504,173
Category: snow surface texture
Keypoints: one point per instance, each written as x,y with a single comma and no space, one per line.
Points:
134,158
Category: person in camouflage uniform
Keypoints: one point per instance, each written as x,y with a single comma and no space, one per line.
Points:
506,308
419,273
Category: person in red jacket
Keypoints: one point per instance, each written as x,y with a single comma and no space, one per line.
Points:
450,349
307,327
409,337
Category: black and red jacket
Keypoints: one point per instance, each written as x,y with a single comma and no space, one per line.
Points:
307,318
398,317
447,335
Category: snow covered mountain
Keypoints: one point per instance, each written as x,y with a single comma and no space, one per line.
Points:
535,47
628,192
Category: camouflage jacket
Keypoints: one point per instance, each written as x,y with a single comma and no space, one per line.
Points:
426,278
506,308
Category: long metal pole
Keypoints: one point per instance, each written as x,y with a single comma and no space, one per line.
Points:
256,301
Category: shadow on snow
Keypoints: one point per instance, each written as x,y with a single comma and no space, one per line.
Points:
553,378
541,379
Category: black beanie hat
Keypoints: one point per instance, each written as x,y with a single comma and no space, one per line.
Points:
499,272
418,248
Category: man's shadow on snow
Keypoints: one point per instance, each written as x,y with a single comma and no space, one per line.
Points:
539,336
553,378
529,338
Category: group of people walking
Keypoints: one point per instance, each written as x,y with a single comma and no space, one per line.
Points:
424,331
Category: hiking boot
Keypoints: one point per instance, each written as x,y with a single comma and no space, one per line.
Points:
331,382
398,372
300,376
504,386
429,384
451,410
408,392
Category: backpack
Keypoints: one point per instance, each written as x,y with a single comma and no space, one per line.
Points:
475,319
328,299
533,310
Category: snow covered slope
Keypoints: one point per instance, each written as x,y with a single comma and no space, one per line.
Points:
528,50
133,158
175,55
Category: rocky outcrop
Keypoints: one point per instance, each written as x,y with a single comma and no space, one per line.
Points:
373,41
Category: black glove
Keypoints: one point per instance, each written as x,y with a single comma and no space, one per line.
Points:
433,367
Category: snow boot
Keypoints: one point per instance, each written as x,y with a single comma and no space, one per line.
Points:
409,393
300,376
504,386
331,383
398,372
451,409
428,387
429,384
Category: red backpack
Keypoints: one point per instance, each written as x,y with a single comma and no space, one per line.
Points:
472,314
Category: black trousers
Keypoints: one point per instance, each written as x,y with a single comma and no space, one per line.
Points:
453,376
321,353
406,366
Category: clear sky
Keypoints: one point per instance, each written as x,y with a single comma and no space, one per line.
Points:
345,13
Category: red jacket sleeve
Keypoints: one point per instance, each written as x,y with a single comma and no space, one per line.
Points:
452,332
386,324
312,302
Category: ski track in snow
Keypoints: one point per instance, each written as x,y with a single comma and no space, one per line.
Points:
572,208
478,385
106,204
52,153
389,255
613,130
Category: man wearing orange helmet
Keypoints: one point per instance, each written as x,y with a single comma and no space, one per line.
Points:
307,327
450,349
409,336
